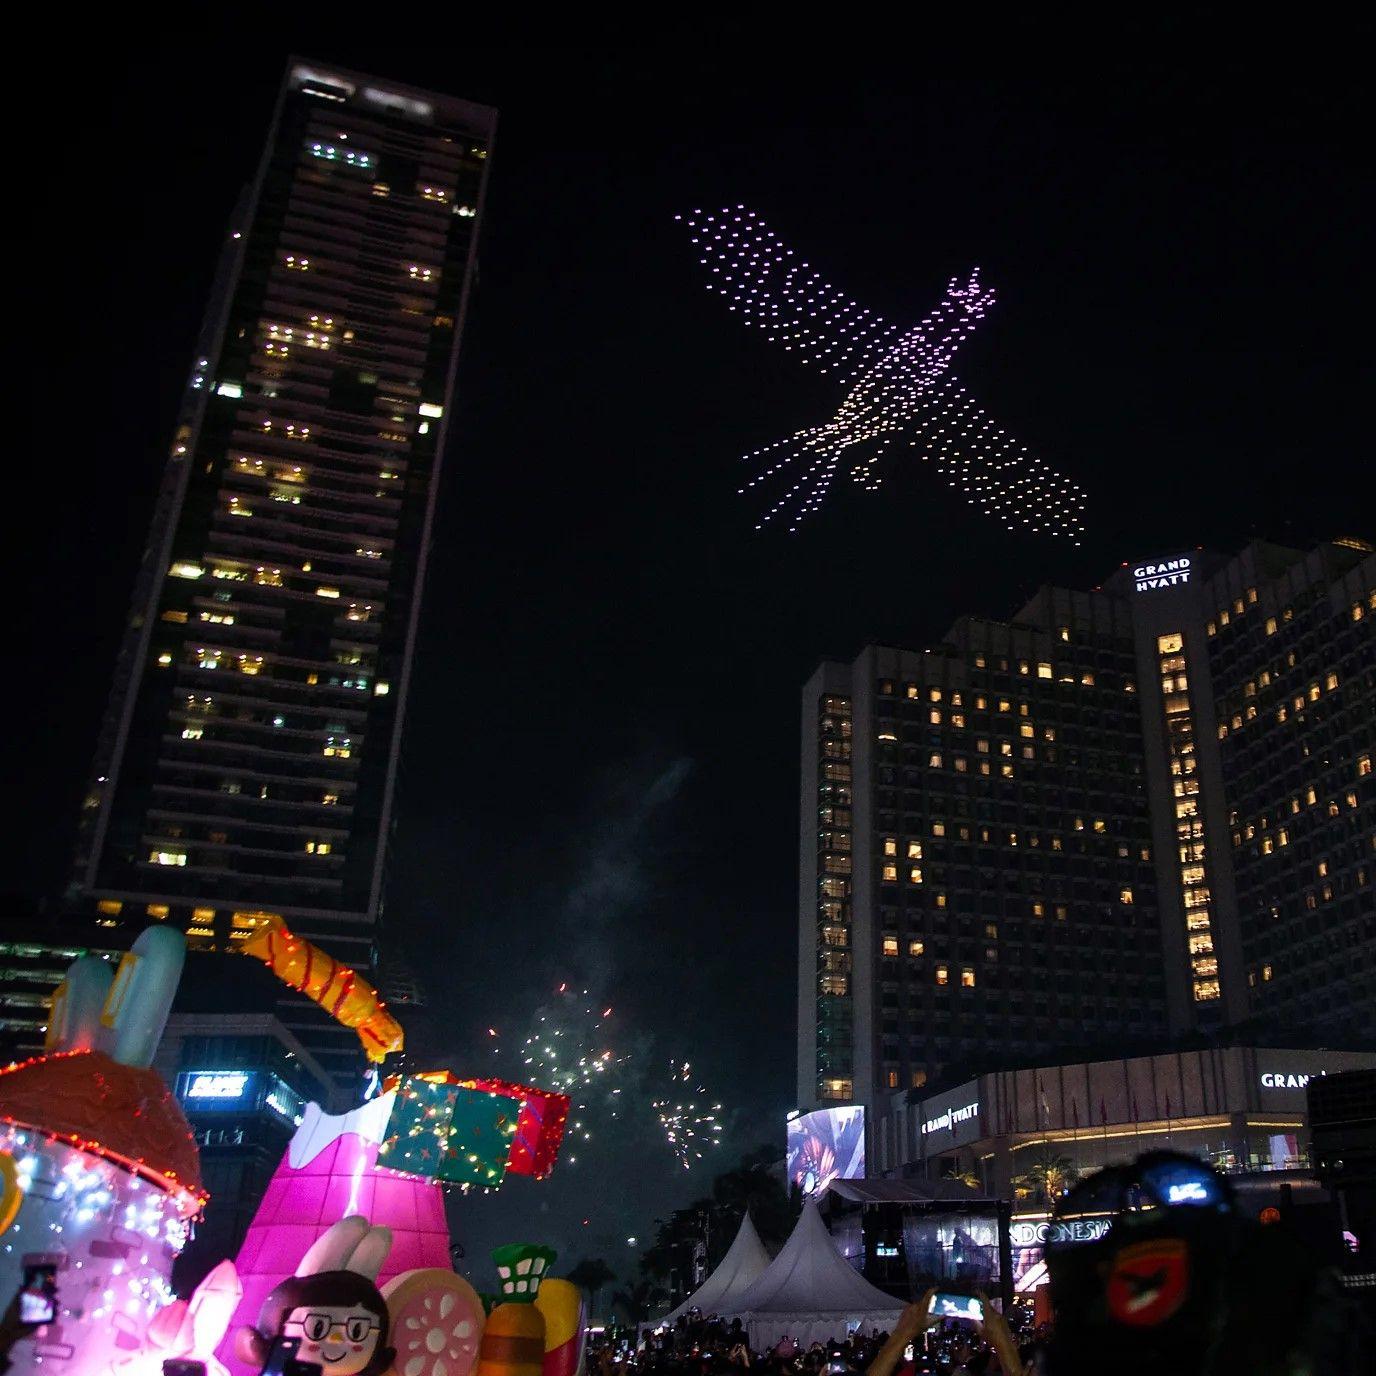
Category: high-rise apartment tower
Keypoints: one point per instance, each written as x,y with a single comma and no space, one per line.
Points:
247,762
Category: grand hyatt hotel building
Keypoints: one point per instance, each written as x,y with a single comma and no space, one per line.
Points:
1126,819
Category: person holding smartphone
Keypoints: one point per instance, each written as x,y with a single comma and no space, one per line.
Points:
919,1316
14,1329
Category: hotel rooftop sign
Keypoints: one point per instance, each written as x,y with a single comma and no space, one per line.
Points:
1167,574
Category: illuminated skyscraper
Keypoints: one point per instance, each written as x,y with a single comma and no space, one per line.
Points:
1125,818
247,761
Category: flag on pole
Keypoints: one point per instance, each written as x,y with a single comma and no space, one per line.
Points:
1103,1112
1075,1112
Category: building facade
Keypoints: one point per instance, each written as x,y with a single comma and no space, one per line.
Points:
247,762
1125,818
34,958
243,1081
1026,1135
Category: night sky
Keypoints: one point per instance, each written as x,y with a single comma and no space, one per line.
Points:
600,766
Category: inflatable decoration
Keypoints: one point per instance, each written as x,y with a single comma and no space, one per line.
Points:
105,1161
437,1323
442,1131
539,1128
560,1303
192,1330
11,1196
329,1171
331,1306
426,1322
514,1339
342,992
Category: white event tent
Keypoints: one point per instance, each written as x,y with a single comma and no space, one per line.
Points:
744,1263
811,1293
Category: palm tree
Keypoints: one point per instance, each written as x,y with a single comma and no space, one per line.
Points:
1048,1178
590,1275
637,1300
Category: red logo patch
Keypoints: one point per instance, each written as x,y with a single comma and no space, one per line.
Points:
1147,1282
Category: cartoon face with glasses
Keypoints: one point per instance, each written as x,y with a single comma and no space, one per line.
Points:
338,1314
340,1337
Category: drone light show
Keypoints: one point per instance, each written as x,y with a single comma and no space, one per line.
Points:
900,387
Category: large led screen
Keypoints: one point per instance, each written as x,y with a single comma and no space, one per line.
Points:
827,1144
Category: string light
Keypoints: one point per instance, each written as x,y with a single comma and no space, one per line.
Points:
900,386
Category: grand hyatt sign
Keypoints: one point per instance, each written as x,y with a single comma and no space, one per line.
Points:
950,1118
1288,1080
1163,575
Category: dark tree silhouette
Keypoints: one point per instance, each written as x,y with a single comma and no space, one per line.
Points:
591,1275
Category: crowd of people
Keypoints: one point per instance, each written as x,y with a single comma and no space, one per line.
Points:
699,1344
1179,1284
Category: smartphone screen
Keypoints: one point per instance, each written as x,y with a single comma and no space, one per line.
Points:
946,1306
282,1352
908,1353
38,1295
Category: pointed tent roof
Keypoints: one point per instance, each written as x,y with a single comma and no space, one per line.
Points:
811,1291
744,1262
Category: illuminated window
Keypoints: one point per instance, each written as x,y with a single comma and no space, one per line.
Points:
967,977
167,857
915,875
890,845
111,907
1266,972
1125,896
317,847
915,948
1205,990
890,874
1043,670
890,945
1061,912
914,850
943,974
939,828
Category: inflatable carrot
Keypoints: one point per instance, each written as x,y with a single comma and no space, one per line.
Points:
514,1339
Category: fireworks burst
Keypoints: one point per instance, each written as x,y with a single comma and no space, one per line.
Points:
569,1048
689,1122
899,381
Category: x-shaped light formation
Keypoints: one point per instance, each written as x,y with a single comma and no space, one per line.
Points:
900,387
